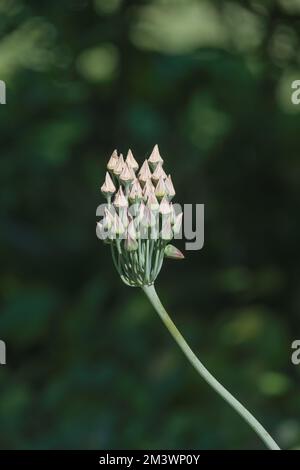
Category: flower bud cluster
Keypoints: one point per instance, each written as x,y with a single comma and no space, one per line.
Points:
139,218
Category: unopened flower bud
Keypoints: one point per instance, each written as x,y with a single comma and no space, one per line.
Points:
120,200
126,176
155,157
108,188
172,252
158,173
144,173
108,218
153,203
112,162
131,161
160,190
135,194
164,207
118,227
169,187
166,231
148,189
130,243
119,166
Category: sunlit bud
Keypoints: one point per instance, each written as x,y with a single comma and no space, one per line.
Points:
169,187
131,161
108,187
144,173
112,162
164,207
117,227
119,166
172,252
135,194
148,189
131,230
160,190
148,219
177,223
120,200
126,175
153,203
155,157
158,173
166,231
108,219
130,243
124,216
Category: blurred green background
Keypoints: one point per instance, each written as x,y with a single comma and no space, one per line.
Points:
89,364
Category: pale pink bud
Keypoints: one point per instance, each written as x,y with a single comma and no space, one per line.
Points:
166,231
148,189
169,187
172,252
153,203
155,157
144,173
119,166
120,200
108,187
108,218
118,227
160,190
158,173
131,161
164,207
135,194
131,230
130,243
112,162
126,175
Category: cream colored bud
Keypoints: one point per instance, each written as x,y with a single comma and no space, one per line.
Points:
172,252
131,230
169,187
119,166
148,189
144,173
130,243
108,218
112,162
153,203
166,231
118,227
108,188
131,161
158,173
160,190
155,157
126,175
135,194
164,207
120,200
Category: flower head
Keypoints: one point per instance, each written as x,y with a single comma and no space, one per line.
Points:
139,222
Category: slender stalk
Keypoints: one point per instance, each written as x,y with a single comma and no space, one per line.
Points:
256,426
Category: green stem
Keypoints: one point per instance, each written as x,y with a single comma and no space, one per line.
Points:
256,426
